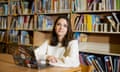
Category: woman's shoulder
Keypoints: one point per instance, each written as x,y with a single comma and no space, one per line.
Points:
47,41
73,41
73,44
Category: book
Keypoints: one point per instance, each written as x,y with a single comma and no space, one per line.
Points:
108,64
5,9
59,64
26,22
89,23
76,35
49,23
113,23
40,22
2,35
101,62
83,37
92,60
25,37
76,22
30,26
81,25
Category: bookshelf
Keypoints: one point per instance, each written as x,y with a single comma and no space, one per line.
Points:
99,21
27,23
3,24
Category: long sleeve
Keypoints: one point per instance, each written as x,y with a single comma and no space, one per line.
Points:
40,52
71,58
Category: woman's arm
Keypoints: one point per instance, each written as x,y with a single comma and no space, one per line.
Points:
72,57
40,52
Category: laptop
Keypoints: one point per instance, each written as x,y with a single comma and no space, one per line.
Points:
24,56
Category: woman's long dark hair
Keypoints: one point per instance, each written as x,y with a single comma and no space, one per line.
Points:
69,36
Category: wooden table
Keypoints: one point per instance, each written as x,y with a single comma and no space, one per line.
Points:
7,65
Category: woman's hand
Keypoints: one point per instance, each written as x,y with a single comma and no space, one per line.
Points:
52,59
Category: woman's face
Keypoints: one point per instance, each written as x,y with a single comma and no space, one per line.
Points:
61,27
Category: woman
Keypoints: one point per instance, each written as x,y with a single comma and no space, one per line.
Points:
61,50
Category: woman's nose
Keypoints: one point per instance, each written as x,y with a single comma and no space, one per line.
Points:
61,26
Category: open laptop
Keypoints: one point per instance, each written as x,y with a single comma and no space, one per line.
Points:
24,56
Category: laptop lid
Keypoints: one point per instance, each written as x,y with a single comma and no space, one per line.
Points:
24,56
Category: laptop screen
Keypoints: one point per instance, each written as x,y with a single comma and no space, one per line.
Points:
24,56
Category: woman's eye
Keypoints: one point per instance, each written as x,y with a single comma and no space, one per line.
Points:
58,24
65,25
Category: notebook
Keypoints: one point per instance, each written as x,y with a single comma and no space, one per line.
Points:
24,56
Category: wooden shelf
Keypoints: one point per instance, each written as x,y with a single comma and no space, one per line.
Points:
98,32
15,0
54,13
3,1
99,52
44,30
2,42
12,43
20,29
25,44
29,14
97,11
3,29
3,15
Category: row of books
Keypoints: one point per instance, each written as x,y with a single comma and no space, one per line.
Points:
86,45
43,6
99,47
45,22
83,5
81,37
22,22
101,63
27,22
3,22
21,37
13,36
48,6
97,23
53,6
26,37
3,8
22,7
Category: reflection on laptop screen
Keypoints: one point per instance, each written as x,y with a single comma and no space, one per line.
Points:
24,56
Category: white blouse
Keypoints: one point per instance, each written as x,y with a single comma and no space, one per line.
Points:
69,59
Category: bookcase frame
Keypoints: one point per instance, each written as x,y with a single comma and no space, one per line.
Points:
39,36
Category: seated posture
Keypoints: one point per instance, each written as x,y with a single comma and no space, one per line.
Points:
61,49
